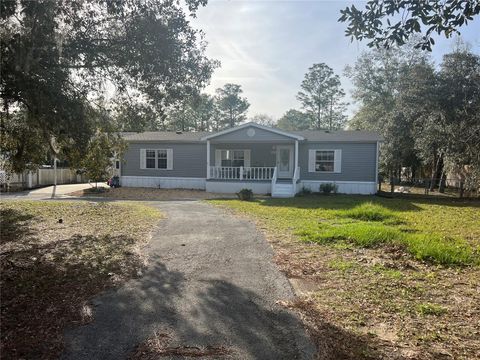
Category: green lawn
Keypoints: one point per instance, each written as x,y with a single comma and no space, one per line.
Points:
379,278
55,255
444,232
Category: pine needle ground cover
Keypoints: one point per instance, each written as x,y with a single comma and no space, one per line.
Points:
379,278
55,256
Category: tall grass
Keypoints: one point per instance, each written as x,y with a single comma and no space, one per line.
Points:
426,247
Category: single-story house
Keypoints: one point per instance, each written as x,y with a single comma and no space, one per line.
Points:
263,159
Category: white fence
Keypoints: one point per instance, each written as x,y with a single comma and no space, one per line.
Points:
241,173
40,177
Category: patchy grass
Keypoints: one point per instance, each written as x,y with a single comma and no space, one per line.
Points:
379,278
55,255
431,309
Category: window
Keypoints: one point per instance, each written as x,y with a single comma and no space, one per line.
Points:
235,158
325,160
117,164
162,159
150,159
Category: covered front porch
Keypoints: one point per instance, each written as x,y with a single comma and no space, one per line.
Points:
251,156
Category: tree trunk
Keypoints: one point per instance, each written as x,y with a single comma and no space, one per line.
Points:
461,189
392,182
441,187
436,172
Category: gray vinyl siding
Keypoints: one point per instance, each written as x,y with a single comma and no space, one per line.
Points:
262,155
189,160
260,135
358,161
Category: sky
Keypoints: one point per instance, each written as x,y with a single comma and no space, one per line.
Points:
268,46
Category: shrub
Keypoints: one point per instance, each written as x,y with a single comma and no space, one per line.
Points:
303,191
245,194
328,188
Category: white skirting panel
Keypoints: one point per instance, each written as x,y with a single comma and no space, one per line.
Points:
344,187
163,182
230,187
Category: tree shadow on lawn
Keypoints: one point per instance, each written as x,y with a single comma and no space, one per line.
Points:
343,202
217,315
46,286
14,225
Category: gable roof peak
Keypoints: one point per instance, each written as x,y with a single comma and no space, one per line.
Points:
258,126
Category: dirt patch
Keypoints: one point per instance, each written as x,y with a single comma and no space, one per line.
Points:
152,194
372,301
55,256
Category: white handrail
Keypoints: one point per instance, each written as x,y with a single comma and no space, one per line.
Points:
241,172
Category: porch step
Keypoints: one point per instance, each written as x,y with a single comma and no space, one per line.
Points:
283,190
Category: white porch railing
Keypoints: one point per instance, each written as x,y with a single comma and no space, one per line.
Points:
241,173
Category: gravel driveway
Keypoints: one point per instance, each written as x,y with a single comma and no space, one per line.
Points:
210,282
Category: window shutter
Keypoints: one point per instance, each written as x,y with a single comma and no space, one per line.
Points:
143,158
246,157
218,157
169,159
311,160
337,167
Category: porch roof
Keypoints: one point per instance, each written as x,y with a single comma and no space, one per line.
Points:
254,125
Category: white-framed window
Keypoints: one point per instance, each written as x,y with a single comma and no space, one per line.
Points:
232,157
161,159
325,160
151,159
235,158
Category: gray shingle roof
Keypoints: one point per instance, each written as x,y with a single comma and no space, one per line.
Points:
164,136
310,135
339,135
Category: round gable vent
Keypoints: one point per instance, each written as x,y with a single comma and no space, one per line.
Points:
251,132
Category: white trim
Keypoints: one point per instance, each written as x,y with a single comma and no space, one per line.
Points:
344,187
296,154
208,159
163,182
266,128
231,187
376,163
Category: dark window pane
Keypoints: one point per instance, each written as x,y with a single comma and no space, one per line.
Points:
162,154
150,153
162,163
151,163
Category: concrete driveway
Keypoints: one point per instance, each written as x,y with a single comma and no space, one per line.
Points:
50,192
210,282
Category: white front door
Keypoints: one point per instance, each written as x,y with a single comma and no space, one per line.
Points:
285,161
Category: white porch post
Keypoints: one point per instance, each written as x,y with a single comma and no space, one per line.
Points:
296,155
208,159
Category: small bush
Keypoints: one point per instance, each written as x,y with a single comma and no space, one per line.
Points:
304,191
327,188
431,309
245,194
